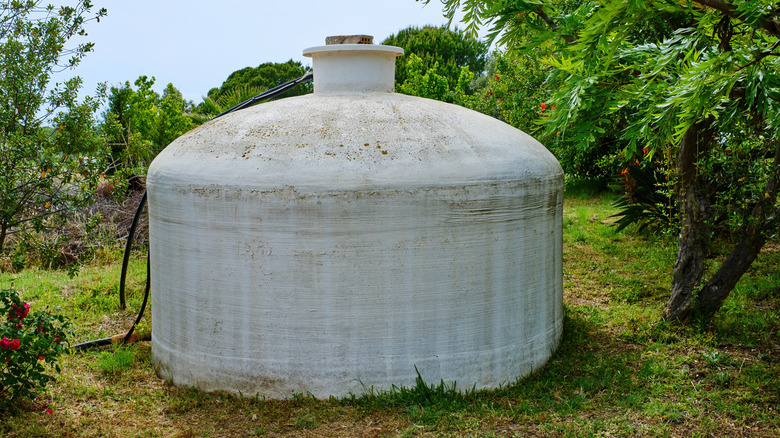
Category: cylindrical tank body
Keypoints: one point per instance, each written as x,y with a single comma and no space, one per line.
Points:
336,241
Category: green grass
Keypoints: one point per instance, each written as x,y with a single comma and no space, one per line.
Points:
619,369
119,359
91,300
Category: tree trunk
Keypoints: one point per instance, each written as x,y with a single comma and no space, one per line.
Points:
3,233
765,217
694,229
714,293
689,268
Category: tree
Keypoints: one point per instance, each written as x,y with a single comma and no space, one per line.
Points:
425,82
172,121
118,117
512,90
696,82
446,50
43,171
262,77
139,123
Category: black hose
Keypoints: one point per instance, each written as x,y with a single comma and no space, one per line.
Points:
90,344
146,296
128,247
273,92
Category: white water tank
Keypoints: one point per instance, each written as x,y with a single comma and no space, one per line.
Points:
333,242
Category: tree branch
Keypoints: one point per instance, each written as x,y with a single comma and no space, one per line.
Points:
769,24
553,25
720,5
761,56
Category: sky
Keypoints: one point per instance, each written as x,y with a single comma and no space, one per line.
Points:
196,44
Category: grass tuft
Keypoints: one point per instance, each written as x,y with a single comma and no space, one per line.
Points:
119,359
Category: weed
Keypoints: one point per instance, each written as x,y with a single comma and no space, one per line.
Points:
723,378
119,359
717,360
579,235
257,431
306,420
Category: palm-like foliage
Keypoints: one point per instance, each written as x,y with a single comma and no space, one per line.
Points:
211,107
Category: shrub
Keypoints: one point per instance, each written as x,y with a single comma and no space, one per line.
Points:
30,343
648,201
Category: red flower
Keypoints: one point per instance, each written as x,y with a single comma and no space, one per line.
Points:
645,150
49,411
19,312
15,345
498,77
543,106
5,343
40,358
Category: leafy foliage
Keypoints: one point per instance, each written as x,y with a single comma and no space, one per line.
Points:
645,203
212,107
427,82
29,342
446,51
140,123
43,171
512,90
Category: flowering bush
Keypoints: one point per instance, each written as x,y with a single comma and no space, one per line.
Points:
29,346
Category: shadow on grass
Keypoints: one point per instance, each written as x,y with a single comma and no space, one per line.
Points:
585,188
585,369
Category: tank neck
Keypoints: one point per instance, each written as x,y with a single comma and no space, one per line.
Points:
353,68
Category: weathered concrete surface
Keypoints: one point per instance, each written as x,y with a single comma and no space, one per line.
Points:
334,241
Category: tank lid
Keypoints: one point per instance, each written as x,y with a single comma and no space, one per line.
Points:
392,51
353,64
